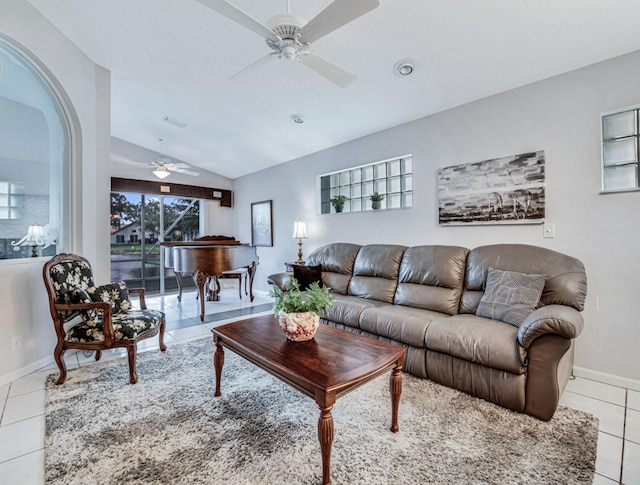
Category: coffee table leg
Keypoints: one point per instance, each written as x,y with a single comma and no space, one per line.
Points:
325,435
396,390
218,362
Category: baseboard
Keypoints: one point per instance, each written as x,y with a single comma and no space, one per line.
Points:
26,370
605,378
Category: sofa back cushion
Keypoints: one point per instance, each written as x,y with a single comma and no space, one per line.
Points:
432,278
336,261
375,272
565,283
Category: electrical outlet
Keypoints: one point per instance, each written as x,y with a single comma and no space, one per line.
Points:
16,344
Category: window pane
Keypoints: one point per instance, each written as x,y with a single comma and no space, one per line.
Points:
380,170
407,165
367,189
394,185
407,183
394,201
620,177
619,124
356,205
367,173
356,176
335,180
344,178
380,186
356,191
394,168
407,199
621,151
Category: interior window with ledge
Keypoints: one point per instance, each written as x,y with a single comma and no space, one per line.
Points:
35,158
620,135
392,179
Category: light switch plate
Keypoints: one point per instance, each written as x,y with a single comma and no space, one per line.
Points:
549,229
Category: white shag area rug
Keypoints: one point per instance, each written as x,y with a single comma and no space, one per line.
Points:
169,429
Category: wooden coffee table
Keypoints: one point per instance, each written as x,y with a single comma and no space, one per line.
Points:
325,368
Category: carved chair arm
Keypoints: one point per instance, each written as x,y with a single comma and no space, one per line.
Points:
140,292
109,334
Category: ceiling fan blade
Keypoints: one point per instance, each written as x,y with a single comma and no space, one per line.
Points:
337,14
174,166
259,62
115,157
330,71
238,16
186,172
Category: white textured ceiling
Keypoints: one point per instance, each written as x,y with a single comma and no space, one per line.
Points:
174,58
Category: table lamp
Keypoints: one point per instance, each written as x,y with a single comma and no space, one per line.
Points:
300,233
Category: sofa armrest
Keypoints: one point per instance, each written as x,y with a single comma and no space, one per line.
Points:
281,280
560,320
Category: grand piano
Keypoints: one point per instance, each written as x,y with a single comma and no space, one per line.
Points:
206,259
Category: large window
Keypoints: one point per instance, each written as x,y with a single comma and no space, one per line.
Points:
392,179
138,223
34,159
620,150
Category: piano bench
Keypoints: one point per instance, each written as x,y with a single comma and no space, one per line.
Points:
237,274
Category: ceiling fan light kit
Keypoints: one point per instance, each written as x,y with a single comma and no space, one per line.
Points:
161,172
290,36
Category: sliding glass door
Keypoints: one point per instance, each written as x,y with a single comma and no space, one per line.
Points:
139,223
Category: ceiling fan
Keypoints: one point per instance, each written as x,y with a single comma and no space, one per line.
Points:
290,36
162,167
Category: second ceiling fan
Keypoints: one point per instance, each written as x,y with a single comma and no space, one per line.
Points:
290,36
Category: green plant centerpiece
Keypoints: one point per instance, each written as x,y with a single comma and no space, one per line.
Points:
338,202
299,311
376,200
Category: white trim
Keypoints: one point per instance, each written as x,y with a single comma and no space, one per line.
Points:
605,378
26,370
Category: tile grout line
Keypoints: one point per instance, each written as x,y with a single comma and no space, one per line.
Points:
624,432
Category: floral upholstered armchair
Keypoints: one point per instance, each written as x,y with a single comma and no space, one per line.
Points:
95,318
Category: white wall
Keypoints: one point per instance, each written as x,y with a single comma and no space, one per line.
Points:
86,86
560,116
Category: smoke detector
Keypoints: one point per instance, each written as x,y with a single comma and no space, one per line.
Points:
403,68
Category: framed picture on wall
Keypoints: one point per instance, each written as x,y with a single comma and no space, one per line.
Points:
262,223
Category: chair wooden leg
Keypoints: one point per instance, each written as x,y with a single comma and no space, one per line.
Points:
58,355
131,352
163,346
98,354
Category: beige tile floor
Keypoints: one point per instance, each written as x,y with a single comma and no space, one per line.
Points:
22,401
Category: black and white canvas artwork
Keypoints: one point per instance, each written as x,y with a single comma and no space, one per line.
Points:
507,190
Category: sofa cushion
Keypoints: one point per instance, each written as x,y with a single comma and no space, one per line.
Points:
306,275
337,262
476,339
399,323
432,277
510,296
566,282
375,272
347,309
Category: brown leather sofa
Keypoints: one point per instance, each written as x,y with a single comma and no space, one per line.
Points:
425,298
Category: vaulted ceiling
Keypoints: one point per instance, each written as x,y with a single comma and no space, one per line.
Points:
173,59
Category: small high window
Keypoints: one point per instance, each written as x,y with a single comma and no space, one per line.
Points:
620,136
391,179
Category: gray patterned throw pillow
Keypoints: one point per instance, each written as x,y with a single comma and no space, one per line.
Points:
510,296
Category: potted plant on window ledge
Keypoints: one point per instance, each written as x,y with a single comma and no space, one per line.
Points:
338,202
376,200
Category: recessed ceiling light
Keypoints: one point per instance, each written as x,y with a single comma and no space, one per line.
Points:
404,67
297,119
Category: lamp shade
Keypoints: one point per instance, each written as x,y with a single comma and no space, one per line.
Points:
161,172
300,230
35,235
